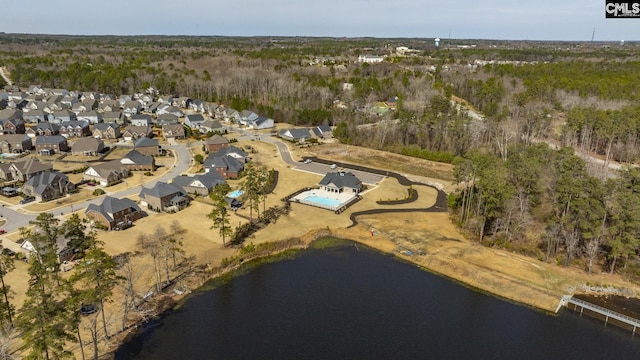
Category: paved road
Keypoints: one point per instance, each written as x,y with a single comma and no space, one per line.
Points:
320,168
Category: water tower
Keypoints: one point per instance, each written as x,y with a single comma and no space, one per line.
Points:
621,42
437,41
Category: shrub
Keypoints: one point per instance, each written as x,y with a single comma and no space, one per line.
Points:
98,192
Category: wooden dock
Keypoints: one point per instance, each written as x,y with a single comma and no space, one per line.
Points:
568,300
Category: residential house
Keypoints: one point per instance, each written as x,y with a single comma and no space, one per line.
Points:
226,166
231,115
194,121
147,146
63,253
167,99
109,106
71,129
12,126
87,146
164,197
295,134
90,95
141,120
134,160
135,132
12,144
92,117
131,107
10,114
23,170
247,116
107,173
109,130
216,111
262,122
5,174
36,116
63,116
175,131
210,125
114,117
43,129
215,143
341,182
68,101
322,132
370,59
201,184
47,186
182,102
57,92
235,152
17,104
168,109
49,145
198,105
114,213
167,119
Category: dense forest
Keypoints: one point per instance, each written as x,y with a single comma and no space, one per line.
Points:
532,128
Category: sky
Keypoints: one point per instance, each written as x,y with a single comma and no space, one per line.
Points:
569,20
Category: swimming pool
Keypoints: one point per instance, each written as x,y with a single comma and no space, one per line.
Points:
235,194
321,200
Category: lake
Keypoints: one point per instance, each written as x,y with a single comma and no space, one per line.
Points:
351,302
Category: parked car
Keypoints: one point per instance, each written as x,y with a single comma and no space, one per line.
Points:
308,161
26,200
2,231
8,252
334,166
87,309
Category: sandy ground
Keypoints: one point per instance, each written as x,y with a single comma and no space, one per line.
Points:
427,239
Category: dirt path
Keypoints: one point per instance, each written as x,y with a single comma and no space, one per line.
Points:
4,73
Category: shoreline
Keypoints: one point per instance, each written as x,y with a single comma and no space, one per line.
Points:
535,298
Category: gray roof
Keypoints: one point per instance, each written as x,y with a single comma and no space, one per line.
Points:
111,205
341,179
140,159
194,117
142,117
87,144
231,150
160,190
106,168
74,124
31,166
216,140
210,180
105,126
50,140
39,183
224,161
145,141
47,126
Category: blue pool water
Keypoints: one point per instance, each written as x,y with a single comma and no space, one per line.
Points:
235,194
323,200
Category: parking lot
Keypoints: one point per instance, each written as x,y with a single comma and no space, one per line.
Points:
321,169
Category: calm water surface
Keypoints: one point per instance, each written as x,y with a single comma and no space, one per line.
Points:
346,303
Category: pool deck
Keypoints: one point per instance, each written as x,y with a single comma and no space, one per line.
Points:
343,198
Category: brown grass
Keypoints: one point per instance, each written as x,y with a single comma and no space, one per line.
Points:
427,239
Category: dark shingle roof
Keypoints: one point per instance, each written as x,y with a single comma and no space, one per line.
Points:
341,179
111,205
160,190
